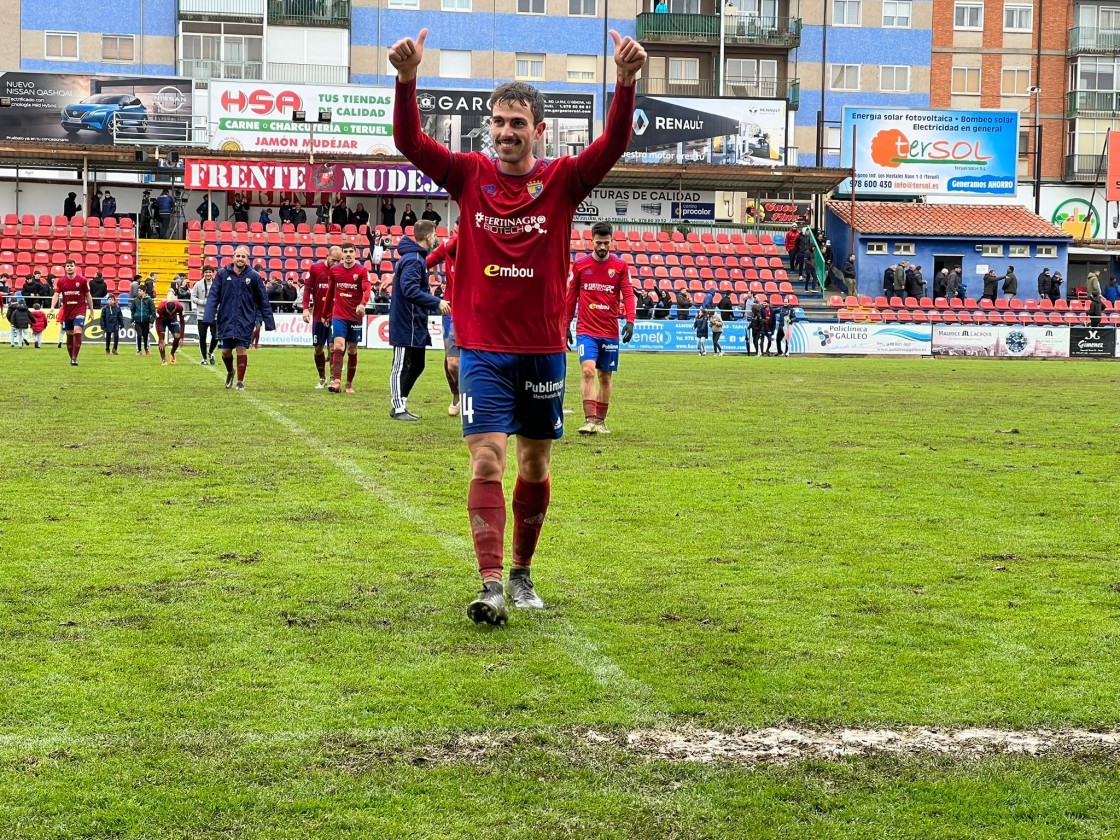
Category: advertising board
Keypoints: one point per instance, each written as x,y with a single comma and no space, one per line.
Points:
300,177
861,339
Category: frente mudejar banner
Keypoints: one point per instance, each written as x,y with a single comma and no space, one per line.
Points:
95,110
921,152
223,175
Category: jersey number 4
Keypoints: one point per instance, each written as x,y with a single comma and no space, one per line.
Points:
468,409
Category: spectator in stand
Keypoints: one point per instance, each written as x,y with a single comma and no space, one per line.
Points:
709,297
941,286
663,305
241,208
1010,283
806,262
700,325
71,207
684,305
957,281
95,206
792,253
150,284
1112,292
265,218
112,319
361,215
181,287
847,277
165,206
661,8
38,321
898,287
991,286
431,215
275,292
915,283
408,217
715,323
643,305
108,206
285,212
1096,304
323,212
34,289
19,319
726,311
143,314
758,324
291,294
1044,284
888,281
5,285
298,215
826,252
205,207
1056,280
783,320
98,288
388,212
340,213
381,299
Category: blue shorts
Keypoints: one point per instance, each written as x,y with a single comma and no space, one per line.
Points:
602,351
230,343
74,323
172,328
351,331
450,348
513,393
320,334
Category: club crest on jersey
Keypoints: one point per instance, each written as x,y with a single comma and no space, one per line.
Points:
534,188
610,272
489,189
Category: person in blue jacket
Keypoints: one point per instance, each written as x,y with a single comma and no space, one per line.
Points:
409,308
236,304
112,319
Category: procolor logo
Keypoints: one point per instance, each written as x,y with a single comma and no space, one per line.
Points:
494,270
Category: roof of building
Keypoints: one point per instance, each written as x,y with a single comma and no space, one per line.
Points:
975,220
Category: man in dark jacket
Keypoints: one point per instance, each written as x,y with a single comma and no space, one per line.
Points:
20,320
1044,284
97,289
409,309
340,213
888,281
991,286
108,206
1010,283
323,212
684,306
241,208
165,206
236,304
297,215
95,206
112,319
915,283
71,207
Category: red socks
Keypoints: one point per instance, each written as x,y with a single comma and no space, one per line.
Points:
242,363
601,411
336,364
589,409
77,344
70,345
321,362
486,506
530,504
351,367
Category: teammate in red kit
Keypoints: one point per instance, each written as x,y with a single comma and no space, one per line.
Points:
601,288
346,299
73,291
445,253
315,310
510,282
170,319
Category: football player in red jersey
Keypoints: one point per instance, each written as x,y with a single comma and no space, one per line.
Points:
76,302
601,289
170,319
315,310
446,253
511,271
346,300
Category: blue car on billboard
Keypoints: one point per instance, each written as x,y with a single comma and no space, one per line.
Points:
114,113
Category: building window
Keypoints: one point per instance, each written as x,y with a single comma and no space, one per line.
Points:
1018,19
404,4
896,14
455,64
1049,251
752,77
968,16
684,7
61,46
894,78
966,80
684,71
456,5
876,247
581,68
846,12
1024,142
221,51
991,250
530,66
1015,81
581,8
904,249
117,48
1096,73
1019,251
530,7
844,77
831,140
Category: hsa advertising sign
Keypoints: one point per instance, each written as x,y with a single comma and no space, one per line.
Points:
923,152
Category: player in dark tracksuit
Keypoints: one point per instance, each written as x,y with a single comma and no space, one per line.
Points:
236,304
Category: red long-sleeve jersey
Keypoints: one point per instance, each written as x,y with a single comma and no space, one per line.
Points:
168,312
316,290
72,296
603,291
514,230
349,289
445,253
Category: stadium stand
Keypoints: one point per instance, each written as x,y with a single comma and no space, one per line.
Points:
45,243
880,309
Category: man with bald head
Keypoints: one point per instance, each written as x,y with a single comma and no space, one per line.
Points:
236,304
316,310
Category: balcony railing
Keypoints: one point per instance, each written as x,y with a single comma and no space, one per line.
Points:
742,88
1089,39
739,29
1086,102
326,74
225,9
309,12
200,68
1084,168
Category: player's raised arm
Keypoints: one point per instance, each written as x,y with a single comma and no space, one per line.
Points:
430,157
597,159
406,55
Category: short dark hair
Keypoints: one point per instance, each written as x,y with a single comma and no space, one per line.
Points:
602,229
423,228
71,262
349,246
522,94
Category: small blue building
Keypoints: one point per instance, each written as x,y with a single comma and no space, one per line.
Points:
936,236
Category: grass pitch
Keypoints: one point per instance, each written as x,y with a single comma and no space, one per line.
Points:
242,615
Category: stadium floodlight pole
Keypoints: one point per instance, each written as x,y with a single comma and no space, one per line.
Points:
301,117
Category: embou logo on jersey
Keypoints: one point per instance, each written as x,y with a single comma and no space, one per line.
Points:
494,270
534,188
